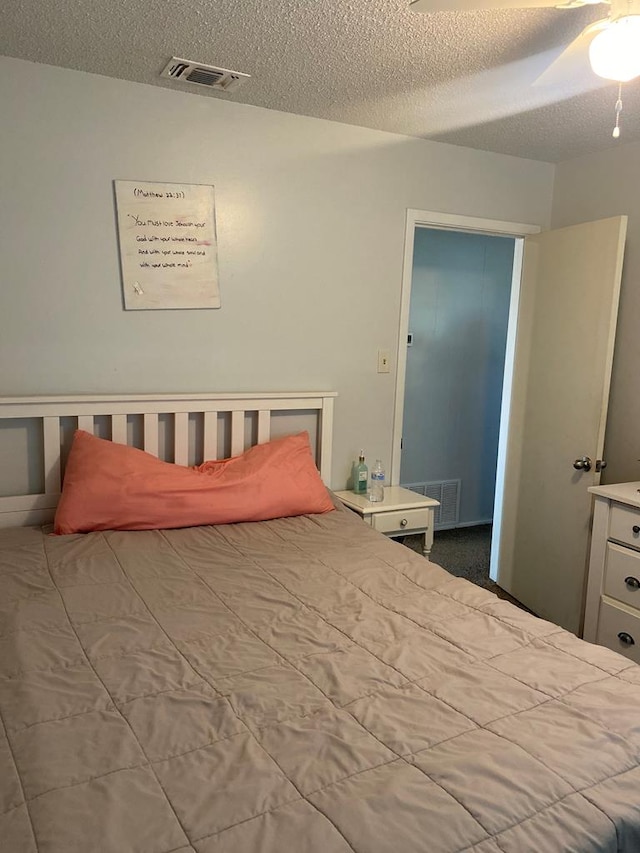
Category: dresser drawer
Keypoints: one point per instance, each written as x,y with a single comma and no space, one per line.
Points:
624,525
402,521
622,565
614,621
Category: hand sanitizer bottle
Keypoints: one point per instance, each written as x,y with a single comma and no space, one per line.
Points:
376,490
360,476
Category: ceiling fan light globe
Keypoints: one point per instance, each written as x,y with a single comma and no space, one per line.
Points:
615,52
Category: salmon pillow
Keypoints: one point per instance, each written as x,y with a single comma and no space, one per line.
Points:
111,486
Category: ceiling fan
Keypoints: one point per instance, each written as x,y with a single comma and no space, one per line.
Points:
611,45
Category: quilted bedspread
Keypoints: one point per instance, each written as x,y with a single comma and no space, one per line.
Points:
302,685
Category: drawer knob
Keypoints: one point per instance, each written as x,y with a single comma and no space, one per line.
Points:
627,639
403,523
636,528
632,583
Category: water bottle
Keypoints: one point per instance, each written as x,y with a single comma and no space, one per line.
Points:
376,488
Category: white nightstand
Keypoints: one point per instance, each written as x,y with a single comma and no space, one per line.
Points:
401,513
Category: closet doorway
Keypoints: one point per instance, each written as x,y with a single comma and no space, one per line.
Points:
456,346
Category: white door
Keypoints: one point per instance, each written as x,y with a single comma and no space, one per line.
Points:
561,376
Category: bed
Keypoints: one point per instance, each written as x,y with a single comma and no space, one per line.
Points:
296,684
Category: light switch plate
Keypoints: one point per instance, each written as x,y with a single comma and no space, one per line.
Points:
384,361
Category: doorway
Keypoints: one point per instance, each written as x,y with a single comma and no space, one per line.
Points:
456,347
471,492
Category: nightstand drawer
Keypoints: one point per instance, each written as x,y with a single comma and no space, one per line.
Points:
619,630
402,521
624,525
622,574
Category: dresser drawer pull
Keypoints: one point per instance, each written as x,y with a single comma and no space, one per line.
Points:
627,639
632,583
636,529
403,523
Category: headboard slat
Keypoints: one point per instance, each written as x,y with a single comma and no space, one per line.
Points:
150,438
119,429
181,438
237,432
210,438
52,444
86,423
264,426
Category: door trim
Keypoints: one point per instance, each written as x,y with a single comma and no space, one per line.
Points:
451,222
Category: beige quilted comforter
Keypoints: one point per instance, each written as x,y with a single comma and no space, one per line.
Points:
297,686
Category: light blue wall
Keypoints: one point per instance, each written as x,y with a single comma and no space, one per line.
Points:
310,219
459,313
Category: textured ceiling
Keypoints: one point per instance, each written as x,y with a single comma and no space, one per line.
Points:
464,78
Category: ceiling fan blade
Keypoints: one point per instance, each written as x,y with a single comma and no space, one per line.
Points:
476,5
572,69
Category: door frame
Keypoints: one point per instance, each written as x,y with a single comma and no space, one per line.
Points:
491,227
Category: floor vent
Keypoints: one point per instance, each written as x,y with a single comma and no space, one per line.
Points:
187,71
445,491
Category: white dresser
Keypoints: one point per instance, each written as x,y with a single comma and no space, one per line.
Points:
612,607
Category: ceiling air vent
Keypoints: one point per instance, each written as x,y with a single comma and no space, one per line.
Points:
187,71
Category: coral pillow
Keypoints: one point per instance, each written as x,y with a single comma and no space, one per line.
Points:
111,486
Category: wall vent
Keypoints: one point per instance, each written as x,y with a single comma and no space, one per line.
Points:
187,71
445,491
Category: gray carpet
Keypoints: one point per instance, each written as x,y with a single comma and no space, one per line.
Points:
465,552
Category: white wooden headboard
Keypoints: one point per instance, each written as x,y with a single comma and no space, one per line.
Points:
247,418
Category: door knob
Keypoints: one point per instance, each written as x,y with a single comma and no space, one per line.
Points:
582,464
